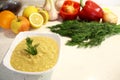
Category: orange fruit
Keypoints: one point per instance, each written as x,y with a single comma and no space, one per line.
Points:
6,17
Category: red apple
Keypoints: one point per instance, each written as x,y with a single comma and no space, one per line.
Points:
20,24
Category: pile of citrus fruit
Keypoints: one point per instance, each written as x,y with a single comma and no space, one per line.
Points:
32,17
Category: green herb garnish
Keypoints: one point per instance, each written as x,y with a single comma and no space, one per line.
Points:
31,49
85,34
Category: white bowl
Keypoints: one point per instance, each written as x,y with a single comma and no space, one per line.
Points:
45,75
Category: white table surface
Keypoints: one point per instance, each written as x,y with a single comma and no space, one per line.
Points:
98,63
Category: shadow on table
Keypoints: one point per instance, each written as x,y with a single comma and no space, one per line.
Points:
5,74
7,33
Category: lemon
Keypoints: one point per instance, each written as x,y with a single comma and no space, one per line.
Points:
36,20
29,10
45,15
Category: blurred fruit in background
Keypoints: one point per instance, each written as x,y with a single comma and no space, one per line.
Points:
6,17
45,15
12,5
36,20
29,10
20,24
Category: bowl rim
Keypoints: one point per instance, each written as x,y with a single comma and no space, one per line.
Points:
20,37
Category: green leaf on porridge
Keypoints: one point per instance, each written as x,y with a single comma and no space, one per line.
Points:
31,49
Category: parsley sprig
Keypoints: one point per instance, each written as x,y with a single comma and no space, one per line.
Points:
31,49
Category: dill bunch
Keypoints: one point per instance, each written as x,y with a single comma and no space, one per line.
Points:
85,34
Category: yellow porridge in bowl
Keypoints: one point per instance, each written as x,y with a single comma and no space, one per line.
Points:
46,57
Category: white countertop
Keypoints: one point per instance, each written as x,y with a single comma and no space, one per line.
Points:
98,63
